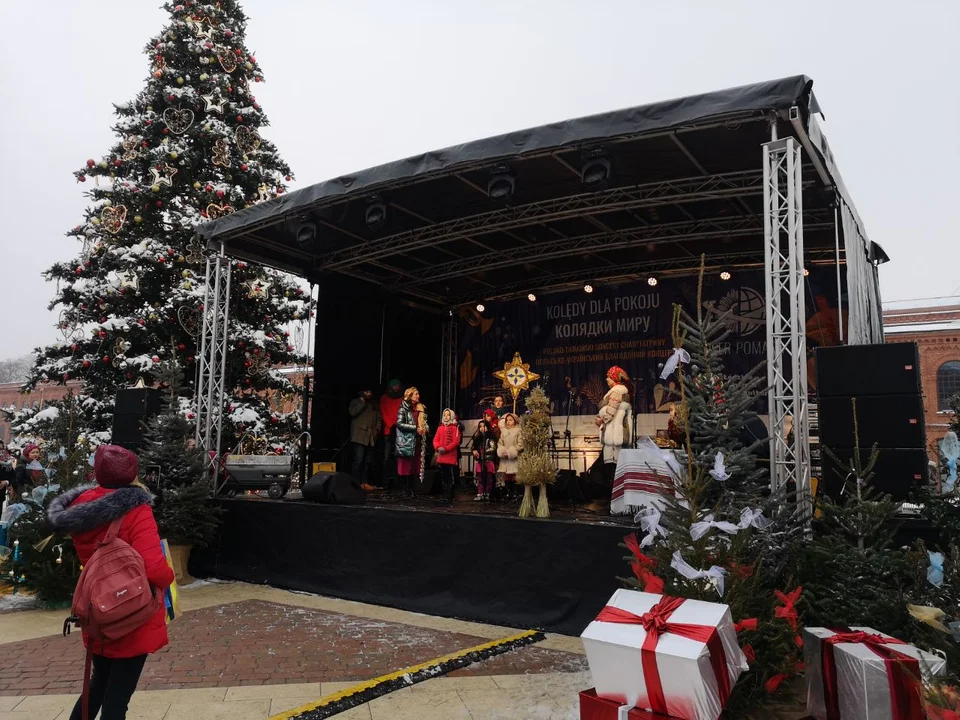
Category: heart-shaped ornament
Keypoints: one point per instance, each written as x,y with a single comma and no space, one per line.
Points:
218,211
247,140
178,120
112,218
189,320
228,61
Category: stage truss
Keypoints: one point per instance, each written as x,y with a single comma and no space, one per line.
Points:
786,319
212,370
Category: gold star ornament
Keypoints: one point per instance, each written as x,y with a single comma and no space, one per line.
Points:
516,376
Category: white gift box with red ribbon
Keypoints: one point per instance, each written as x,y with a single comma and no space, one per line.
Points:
670,655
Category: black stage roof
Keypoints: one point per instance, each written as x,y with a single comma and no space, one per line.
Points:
685,178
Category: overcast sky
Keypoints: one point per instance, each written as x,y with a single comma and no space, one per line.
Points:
353,83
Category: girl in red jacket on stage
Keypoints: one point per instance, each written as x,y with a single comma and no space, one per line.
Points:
447,444
85,513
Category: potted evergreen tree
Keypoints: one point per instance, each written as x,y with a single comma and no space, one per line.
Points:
176,470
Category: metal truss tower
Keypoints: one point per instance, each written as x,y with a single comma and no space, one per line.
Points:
786,320
448,364
212,371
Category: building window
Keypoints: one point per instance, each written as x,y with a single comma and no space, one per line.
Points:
948,383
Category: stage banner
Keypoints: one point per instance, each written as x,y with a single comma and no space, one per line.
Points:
571,338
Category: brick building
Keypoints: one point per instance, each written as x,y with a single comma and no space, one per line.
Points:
934,324
10,396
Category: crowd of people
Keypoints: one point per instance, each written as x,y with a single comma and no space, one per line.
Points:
391,442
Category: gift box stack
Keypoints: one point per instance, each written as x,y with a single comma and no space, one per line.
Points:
655,656
861,674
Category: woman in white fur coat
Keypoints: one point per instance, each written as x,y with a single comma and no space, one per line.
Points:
615,420
508,450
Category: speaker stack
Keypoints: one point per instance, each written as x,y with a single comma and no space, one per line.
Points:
133,408
885,381
337,488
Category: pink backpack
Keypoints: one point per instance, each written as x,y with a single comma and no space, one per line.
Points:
113,596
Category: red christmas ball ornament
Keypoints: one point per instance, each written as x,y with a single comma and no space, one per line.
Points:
190,358
159,46
155,358
159,203
78,270
86,363
256,351
146,122
171,251
117,162
229,408
129,376
82,178
279,191
166,131
103,319
247,363
190,416
246,381
274,419
243,167
91,163
241,344
102,334
238,51
106,358
256,78
161,259
141,322
73,347
239,118
287,178
208,45
171,97
228,33
289,348
220,193
241,265
253,58
181,346
256,106
209,188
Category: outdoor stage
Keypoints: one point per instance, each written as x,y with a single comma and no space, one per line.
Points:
469,561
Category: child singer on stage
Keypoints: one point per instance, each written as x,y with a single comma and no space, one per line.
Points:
508,450
447,444
484,451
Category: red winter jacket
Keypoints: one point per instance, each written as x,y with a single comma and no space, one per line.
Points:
86,513
448,438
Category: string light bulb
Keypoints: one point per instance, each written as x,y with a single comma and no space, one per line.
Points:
806,272
725,275
480,307
652,281
588,288
531,297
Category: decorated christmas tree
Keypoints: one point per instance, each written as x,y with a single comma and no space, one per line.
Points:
184,513
535,467
707,542
188,149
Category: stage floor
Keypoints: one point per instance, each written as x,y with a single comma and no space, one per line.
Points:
464,504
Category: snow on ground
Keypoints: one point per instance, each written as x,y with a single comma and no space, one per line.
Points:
14,603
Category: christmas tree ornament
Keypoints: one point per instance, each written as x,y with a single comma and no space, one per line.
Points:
950,449
128,279
263,193
213,104
257,288
131,147
247,140
189,319
259,365
221,153
113,218
178,120
714,575
679,355
719,472
935,569
194,254
228,60
218,211
163,176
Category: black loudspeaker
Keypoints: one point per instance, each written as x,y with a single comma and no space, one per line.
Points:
134,406
890,421
334,488
898,471
861,370
568,487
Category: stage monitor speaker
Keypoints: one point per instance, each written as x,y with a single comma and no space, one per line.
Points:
861,370
898,471
884,420
133,407
335,489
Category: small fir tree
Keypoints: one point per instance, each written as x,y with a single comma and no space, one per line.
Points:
184,515
534,466
705,541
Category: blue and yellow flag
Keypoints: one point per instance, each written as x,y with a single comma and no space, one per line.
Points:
171,596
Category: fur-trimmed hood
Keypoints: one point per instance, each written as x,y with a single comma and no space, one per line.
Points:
69,518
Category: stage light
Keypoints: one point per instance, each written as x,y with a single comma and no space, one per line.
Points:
306,234
531,297
588,288
652,281
480,307
375,214
595,171
806,272
725,275
501,184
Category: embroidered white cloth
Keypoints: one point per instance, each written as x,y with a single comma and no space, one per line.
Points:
644,475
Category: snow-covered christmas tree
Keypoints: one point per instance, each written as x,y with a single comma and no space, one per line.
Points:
188,150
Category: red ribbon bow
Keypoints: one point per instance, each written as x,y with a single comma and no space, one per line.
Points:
748,624
656,622
788,611
903,673
642,567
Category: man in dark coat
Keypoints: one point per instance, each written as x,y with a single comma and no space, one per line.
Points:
363,435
